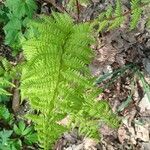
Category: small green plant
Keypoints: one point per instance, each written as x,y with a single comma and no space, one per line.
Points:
4,83
5,115
146,86
57,82
13,136
15,15
136,75
25,132
6,143
7,73
18,137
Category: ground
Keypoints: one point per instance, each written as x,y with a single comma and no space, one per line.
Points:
122,67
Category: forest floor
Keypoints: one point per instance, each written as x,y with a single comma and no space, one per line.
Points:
122,68
121,56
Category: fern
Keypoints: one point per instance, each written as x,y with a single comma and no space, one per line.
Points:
114,17
57,82
5,78
119,18
136,13
4,83
147,12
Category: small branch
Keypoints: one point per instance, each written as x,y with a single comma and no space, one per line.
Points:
16,96
57,6
60,8
78,9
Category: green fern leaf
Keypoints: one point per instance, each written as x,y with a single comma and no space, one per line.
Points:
3,84
119,18
103,25
136,13
114,17
109,12
55,80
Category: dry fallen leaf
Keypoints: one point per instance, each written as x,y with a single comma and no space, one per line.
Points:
89,144
132,136
146,146
96,71
64,122
106,55
122,135
144,104
142,132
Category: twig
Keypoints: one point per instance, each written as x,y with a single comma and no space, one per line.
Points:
16,96
60,8
57,6
78,9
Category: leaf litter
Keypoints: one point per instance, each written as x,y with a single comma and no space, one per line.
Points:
126,92
120,56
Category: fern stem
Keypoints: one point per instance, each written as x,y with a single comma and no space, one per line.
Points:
60,67
53,100
78,9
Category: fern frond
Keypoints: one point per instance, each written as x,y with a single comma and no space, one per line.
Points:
105,18
118,15
3,84
114,17
148,23
56,79
135,14
109,12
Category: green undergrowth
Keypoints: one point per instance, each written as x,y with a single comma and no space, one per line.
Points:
14,15
14,134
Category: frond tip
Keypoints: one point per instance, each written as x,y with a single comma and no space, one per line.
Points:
55,80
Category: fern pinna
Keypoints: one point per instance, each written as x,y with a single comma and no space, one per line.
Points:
56,79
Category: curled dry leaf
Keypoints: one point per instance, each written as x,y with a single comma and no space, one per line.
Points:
105,130
106,55
144,104
96,71
89,144
64,121
142,132
122,135
146,145
146,63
